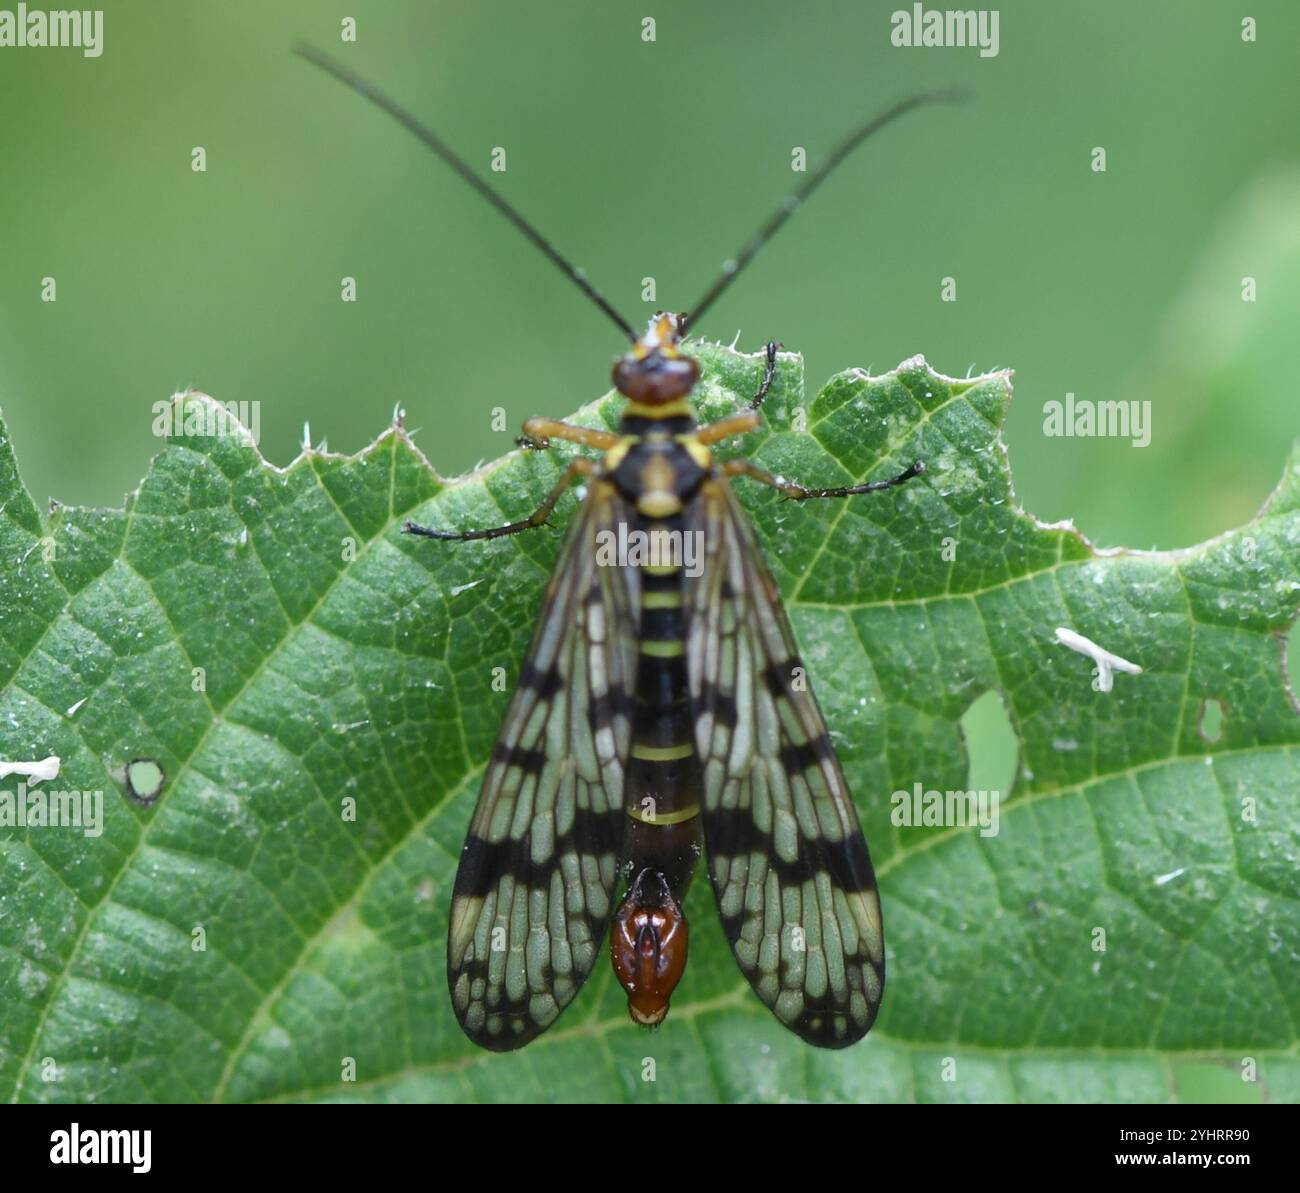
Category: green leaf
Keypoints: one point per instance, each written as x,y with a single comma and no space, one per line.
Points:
343,660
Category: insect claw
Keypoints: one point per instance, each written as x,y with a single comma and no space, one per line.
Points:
532,443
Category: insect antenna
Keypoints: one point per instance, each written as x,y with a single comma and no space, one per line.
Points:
457,163
792,202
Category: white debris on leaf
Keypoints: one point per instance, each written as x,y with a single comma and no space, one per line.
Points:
1107,663
38,772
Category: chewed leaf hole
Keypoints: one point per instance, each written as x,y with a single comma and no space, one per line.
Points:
144,780
991,745
1209,723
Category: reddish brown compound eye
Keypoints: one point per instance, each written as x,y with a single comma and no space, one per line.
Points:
655,379
648,947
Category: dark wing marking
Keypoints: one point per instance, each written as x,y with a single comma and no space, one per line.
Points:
534,890
789,865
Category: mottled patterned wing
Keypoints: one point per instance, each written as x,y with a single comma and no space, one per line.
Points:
534,891
789,865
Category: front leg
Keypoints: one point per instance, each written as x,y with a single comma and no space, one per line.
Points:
538,433
796,492
578,466
769,371
748,419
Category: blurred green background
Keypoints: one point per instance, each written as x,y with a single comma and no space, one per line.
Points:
658,160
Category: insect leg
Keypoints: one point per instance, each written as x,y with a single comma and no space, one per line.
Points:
796,492
746,420
579,466
725,428
769,371
538,433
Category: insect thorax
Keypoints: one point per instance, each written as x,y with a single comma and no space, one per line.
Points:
660,465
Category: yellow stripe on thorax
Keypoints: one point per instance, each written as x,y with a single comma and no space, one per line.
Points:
667,410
